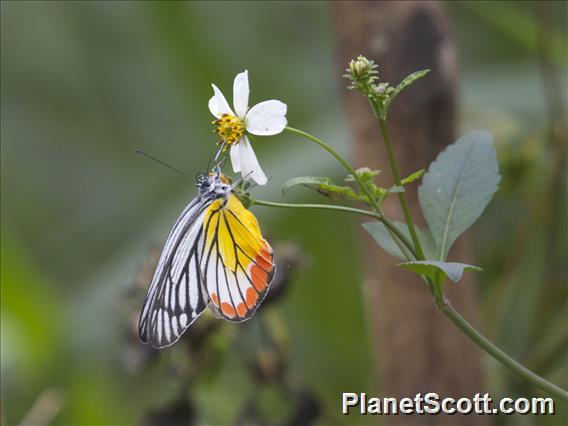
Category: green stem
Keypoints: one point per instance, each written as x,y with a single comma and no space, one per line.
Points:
317,206
388,224
498,354
401,196
437,289
363,186
339,158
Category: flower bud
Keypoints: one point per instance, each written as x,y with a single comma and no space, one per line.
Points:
361,71
361,67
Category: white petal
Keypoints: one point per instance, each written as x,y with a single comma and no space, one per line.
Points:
241,94
249,164
235,158
218,104
266,118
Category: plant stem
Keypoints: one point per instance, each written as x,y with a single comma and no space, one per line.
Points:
350,169
401,196
497,353
388,224
435,286
317,206
339,158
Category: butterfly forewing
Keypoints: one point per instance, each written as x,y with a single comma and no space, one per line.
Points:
175,297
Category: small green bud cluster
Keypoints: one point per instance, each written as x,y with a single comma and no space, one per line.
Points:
362,73
363,76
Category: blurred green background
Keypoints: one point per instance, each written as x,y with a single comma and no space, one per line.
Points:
86,84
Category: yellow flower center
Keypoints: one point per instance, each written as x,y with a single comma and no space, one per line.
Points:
230,128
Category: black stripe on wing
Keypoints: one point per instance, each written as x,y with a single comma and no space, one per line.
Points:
229,291
175,298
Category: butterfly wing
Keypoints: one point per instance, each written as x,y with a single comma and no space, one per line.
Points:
175,297
236,262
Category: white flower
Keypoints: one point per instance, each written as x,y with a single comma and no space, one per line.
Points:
264,119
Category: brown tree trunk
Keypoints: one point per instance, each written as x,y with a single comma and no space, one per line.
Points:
416,348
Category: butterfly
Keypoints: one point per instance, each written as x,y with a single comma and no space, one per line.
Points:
214,255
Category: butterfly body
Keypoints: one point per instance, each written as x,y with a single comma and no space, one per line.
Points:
214,255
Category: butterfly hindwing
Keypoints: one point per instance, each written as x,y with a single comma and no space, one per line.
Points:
175,297
237,262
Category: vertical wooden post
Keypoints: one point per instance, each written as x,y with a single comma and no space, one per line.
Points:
416,348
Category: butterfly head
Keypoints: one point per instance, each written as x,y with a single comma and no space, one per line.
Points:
214,185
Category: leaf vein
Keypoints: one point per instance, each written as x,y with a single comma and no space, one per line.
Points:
450,213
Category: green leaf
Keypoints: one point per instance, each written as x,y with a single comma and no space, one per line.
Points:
457,188
336,192
408,80
323,185
383,238
386,94
312,182
414,176
432,268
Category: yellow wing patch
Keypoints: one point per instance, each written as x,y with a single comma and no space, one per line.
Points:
245,268
235,227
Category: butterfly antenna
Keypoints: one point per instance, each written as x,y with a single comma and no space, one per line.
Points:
151,157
